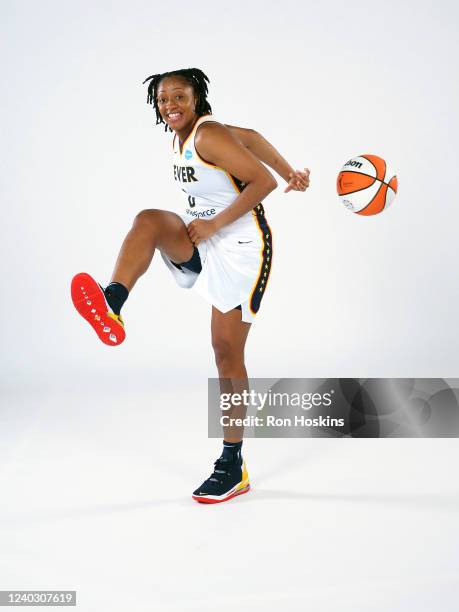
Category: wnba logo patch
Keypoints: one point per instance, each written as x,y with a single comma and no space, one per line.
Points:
188,154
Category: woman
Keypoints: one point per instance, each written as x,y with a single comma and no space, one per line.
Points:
220,244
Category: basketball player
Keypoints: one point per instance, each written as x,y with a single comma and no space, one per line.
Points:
220,243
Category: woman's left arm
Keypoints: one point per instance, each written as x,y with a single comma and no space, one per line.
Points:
215,143
297,180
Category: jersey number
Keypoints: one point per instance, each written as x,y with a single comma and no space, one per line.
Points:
191,201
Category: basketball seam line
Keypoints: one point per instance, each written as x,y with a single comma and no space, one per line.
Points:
385,166
368,187
373,199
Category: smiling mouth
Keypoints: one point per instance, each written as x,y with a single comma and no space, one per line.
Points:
174,116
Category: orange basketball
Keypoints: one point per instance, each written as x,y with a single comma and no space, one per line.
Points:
366,185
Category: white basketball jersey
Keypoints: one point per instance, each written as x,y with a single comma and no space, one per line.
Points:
236,260
206,188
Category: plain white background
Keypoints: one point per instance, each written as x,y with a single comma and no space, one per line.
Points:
349,296
324,82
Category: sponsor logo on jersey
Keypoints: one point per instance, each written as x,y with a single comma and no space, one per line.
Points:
184,174
188,154
201,213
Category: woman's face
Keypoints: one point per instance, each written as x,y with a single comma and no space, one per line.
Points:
176,102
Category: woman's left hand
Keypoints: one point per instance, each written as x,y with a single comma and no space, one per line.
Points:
201,229
298,181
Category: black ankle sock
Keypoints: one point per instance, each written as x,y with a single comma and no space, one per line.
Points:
116,294
231,450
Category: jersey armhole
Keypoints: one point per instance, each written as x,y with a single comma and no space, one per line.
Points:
205,161
237,184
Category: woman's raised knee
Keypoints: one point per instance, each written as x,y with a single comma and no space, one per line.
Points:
146,217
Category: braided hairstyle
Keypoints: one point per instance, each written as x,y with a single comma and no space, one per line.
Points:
194,77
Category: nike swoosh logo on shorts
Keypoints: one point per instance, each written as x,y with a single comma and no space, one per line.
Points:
245,241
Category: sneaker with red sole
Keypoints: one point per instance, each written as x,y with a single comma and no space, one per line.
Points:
229,479
89,300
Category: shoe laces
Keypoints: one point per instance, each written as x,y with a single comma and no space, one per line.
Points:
220,469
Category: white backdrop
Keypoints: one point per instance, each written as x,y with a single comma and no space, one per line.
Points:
349,296
100,448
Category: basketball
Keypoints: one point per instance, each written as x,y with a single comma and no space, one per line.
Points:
366,185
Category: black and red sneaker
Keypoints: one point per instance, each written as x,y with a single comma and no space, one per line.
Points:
229,478
89,299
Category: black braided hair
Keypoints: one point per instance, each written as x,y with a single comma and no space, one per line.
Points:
194,77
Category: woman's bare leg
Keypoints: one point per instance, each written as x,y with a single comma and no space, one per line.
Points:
229,335
230,477
152,229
